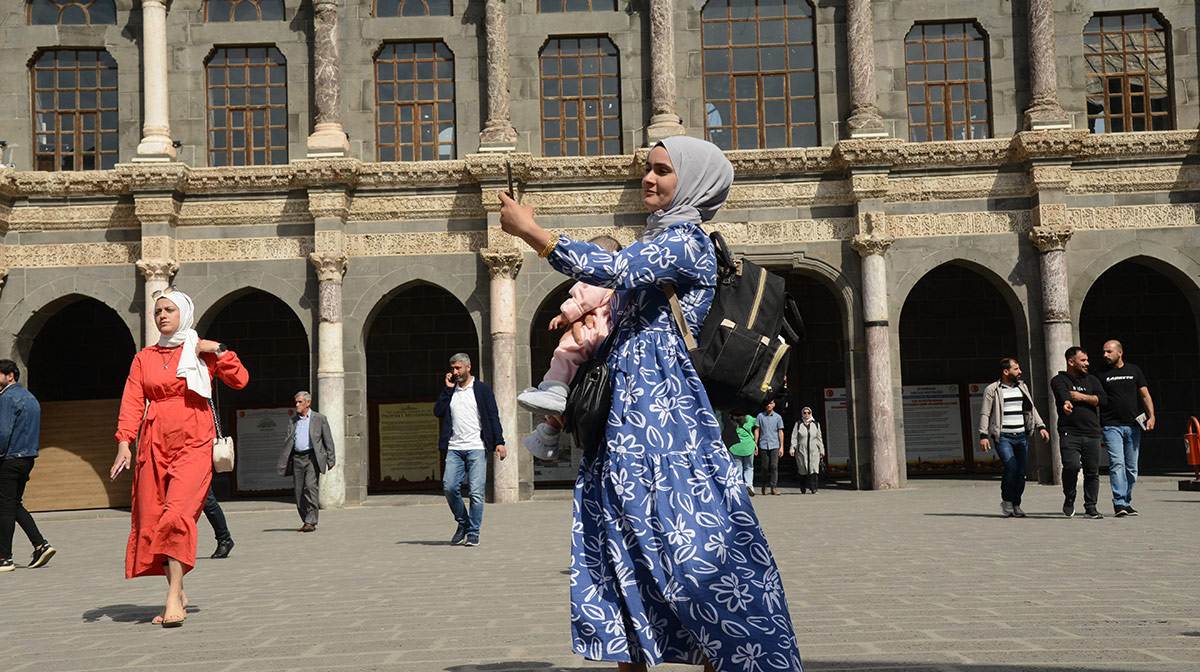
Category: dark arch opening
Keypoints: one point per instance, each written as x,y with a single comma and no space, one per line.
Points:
409,342
1156,324
63,366
955,327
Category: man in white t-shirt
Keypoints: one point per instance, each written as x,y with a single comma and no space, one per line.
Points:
470,432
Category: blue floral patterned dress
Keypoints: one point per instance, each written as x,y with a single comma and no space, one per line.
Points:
668,562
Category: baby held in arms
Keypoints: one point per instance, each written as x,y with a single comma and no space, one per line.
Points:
586,312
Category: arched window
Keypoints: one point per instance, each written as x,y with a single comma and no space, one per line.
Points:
414,102
226,11
946,65
556,6
760,74
74,110
72,12
581,100
392,8
247,107
1127,73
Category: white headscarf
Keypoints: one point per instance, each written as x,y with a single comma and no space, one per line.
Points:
190,366
704,176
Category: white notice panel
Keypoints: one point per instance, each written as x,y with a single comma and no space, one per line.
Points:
259,441
837,428
932,423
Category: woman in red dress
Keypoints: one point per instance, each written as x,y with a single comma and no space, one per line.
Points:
166,401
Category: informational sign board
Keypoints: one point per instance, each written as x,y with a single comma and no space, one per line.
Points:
258,441
837,428
933,432
407,433
565,468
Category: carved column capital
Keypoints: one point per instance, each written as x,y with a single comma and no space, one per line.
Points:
330,267
157,269
502,262
1049,238
866,245
3,275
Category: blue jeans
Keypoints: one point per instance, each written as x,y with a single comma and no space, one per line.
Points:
1122,443
746,462
1013,451
471,464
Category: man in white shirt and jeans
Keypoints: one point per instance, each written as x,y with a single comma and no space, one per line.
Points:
470,432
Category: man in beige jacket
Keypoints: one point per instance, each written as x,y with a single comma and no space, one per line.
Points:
1007,418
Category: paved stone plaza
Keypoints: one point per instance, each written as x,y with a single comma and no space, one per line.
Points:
925,579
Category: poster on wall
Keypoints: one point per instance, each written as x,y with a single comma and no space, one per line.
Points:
564,468
837,432
933,432
408,442
983,461
260,433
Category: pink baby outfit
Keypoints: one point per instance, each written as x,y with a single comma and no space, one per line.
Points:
569,355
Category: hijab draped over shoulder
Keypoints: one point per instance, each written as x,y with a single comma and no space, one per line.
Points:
190,366
704,177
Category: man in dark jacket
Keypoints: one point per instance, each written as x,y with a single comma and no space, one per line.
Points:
20,427
1079,396
470,432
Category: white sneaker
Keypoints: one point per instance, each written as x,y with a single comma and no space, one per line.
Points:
550,398
1006,509
533,443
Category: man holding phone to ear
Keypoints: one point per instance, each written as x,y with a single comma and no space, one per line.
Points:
470,432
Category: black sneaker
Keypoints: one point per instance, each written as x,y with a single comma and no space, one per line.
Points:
472,540
1093,514
1119,511
459,535
223,549
41,555
1130,511
1069,508
6,565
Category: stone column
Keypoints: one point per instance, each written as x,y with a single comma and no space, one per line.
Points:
864,121
1044,112
885,468
331,372
1051,242
156,142
328,139
498,133
503,265
158,273
664,120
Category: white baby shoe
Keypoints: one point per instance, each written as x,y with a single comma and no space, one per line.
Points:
550,398
543,442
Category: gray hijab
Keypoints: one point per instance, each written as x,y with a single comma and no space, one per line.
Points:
704,176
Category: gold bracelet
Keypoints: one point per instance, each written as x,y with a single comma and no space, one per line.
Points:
549,246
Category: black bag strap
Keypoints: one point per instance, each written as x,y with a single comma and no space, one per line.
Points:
602,353
793,324
725,263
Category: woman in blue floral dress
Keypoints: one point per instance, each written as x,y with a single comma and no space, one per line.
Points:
668,562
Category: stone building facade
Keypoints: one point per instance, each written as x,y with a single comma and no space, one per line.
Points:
917,259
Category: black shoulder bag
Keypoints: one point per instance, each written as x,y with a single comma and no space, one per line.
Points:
590,398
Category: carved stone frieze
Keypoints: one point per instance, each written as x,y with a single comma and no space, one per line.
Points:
338,171
1133,217
244,249
785,232
784,161
328,203
1049,216
867,185
1050,176
242,179
274,210
404,244
591,201
873,152
575,169
394,174
330,267
1134,179
65,183
958,223
160,269
393,207
953,154
948,187
1063,143
1149,144
71,254
502,262
114,214
329,242
1050,238
158,247
780,194
167,176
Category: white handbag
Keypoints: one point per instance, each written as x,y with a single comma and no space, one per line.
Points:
222,452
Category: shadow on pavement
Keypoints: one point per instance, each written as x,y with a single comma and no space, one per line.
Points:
128,613
422,542
810,665
281,529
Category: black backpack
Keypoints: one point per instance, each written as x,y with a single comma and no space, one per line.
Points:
744,345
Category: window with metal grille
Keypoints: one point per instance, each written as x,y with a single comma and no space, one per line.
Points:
226,11
414,102
1127,73
74,110
247,107
760,74
581,99
948,96
555,6
72,12
392,8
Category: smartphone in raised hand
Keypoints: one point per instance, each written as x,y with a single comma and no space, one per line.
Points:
508,173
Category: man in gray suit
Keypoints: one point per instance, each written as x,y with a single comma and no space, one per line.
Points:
307,452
